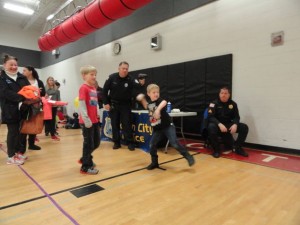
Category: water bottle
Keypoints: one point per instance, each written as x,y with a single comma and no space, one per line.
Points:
169,107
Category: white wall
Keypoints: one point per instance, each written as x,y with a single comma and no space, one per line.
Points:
265,78
15,37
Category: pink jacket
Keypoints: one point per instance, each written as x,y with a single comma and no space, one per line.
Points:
47,107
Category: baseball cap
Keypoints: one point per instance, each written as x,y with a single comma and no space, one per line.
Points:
142,76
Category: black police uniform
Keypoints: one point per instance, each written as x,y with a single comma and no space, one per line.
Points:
117,92
226,113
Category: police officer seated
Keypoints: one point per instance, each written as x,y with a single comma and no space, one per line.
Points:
224,120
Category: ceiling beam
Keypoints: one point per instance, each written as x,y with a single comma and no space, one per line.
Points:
44,6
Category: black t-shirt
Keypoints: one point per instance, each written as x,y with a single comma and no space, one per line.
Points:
165,119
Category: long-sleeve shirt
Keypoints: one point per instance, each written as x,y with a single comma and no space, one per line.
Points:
223,112
118,89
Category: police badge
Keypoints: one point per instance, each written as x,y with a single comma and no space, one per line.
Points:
230,106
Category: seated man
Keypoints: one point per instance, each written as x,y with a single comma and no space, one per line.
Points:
224,120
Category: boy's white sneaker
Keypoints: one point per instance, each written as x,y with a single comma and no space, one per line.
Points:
14,161
21,156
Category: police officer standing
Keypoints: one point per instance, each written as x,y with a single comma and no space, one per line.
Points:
117,93
224,120
141,88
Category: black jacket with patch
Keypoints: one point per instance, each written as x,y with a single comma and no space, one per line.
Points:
10,98
225,113
117,89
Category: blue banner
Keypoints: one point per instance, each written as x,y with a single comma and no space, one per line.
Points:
141,128
106,129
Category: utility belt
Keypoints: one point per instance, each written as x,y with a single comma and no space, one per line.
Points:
117,102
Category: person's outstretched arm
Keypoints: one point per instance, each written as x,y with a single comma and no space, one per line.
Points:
142,99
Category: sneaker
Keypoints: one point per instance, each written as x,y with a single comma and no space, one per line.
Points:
14,161
56,133
152,166
131,147
55,138
91,171
80,162
21,156
190,159
34,147
116,146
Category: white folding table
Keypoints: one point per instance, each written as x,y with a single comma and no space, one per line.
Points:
181,115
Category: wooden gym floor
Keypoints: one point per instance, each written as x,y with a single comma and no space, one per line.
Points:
212,192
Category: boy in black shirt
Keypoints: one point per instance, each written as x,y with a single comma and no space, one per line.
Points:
162,125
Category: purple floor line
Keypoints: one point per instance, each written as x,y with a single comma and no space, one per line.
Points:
50,198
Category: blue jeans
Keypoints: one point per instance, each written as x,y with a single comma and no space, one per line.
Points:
170,133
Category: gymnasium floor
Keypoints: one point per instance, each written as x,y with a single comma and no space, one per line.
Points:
48,188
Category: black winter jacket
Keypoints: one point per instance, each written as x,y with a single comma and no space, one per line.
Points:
118,89
10,98
226,113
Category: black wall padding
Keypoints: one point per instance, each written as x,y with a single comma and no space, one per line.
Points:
194,85
175,84
191,86
218,74
159,76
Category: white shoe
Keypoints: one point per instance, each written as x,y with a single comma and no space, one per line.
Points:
14,161
21,156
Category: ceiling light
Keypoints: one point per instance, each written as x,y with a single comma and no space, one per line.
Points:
18,8
50,17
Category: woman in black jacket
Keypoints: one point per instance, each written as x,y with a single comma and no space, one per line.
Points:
32,76
11,81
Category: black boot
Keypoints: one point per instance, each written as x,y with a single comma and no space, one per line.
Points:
34,147
116,145
240,151
216,154
189,158
131,147
152,166
154,163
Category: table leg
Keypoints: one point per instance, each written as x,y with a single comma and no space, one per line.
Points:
166,147
181,129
